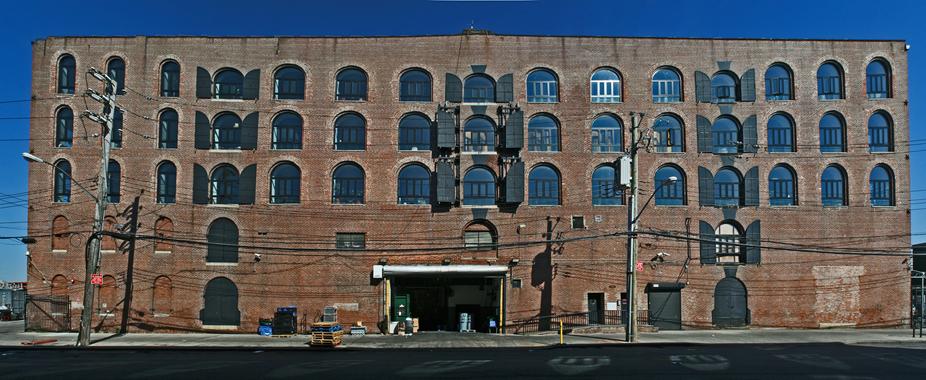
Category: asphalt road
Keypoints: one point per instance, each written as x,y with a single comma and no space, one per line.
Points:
784,361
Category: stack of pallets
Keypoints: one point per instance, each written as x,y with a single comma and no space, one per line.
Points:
326,334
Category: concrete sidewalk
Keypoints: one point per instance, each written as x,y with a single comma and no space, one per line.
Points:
12,335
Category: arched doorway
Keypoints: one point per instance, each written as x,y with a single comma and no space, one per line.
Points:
730,304
220,303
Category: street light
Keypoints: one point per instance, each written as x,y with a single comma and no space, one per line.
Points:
668,181
29,157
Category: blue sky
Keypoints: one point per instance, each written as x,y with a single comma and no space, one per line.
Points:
25,21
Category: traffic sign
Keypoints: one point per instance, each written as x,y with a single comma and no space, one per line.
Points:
96,279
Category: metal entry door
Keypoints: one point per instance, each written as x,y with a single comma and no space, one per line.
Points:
730,304
595,308
665,309
220,303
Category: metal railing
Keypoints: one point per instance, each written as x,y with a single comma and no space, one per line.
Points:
572,320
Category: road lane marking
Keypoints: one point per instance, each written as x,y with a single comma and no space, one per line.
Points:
309,368
436,367
701,362
575,365
815,360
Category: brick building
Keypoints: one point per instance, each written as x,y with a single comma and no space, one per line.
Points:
477,173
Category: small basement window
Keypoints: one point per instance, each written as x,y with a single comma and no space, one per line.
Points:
578,222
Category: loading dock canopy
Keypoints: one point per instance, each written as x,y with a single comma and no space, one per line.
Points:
410,270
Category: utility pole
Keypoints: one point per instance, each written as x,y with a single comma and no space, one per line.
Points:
93,256
129,245
630,330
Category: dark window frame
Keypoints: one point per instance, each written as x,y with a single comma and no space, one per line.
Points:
479,140
613,89
350,241
780,140
727,141
166,183
412,136
288,88
728,193
831,87
479,94
113,182
879,86
286,136
542,91
543,138
350,89
170,79
67,74
670,194
228,88
544,191
670,139
832,140
168,129
724,93
482,192
285,188
834,192
347,136
348,189
64,127
225,185
779,87
117,73
225,137
607,139
881,191
607,191
412,189
667,90
881,137
415,90
782,191
62,182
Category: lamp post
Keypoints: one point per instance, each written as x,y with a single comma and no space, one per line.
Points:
29,157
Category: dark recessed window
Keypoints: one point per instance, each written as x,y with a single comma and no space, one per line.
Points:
479,135
287,131
350,132
778,82
479,88
829,81
543,134
606,86
62,181
229,84
607,136
878,79
351,85
64,127
833,187
226,132
780,133
223,186
727,187
414,185
669,193
67,68
542,87
414,132
479,187
167,182
667,86
289,83
167,129
880,133
351,240
726,135
668,130
284,183
543,186
606,190
113,182
223,243
479,236
347,184
881,186
723,88
782,186
116,70
832,133
170,79
116,138
415,86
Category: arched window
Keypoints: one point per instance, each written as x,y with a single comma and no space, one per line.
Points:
229,84
669,193
350,132
881,186
67,68
726,135
170,79
723,88
167,182
115,141
289,83
543,186
415,86
107,242
669,134
163,228
880,133
878,79
782,187
60,236
780,133
167,129
59,287
607,135
64,127
351,84
606,190
113,182
287,131
542,87
347,184
223,242
223,186
479,187
414,132
778,82
62,181
108,298
829,81
728,187
414,185
220,303
284,183
543,134
226,131
478,135
728,238
480,235
116,70
606,86
832,133
161,296
833,187
478,88
667,85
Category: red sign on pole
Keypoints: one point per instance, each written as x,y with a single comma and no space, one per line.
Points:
639,266
96,279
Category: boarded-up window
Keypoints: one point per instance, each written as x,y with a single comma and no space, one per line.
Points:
161,296
108,297
164,228
108,242
60,234
59,286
